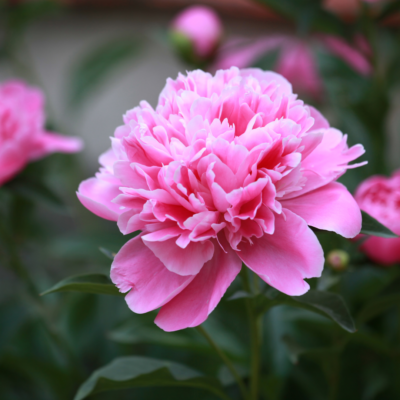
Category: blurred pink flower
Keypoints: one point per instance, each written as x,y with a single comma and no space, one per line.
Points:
296,61
22,135
227,169
202,26
379,196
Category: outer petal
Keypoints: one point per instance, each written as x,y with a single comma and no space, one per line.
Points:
382,250
350,55
12,160
97,195
47,143
187,261
331,208
151,285
193,305
328,161
320,122
288,256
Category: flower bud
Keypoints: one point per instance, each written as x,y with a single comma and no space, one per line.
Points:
338,260
196,33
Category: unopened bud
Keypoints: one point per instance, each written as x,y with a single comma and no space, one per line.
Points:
196,33
338,260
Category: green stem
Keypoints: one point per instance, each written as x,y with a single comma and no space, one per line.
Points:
226,361
255,323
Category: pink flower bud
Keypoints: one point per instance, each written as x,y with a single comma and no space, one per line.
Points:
379,196
23,137
201,27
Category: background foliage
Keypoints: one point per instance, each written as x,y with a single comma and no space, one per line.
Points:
340,341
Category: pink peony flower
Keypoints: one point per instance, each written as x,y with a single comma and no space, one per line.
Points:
228,169
296,61
202,26
22,135
379,196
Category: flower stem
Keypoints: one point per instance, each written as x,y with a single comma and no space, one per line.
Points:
226,361
255,323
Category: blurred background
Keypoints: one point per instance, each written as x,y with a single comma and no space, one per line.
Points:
96,59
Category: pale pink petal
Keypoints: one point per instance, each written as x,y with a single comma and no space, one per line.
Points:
337,212
285,258
97,195
193,305
182,261
320,122
151,285
328,161
48,143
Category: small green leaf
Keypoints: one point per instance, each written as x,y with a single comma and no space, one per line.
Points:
328,304
88,283
130,372
370,226
96,66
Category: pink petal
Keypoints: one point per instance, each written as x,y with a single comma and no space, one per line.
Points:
288,256
347,53
11,161
331,208
320,122
47,143
182,261
297,64
97,195
193,305
328,161
151,285
384,251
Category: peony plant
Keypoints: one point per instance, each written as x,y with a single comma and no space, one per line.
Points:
228,170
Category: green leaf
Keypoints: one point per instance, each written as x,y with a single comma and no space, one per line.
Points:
370,226
377,306
88,283
130,372
328,304
96,66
